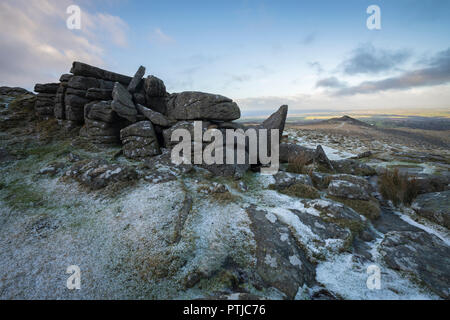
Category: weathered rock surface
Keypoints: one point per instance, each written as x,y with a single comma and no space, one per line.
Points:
280,262
285,179
155,117
346,189
97,174
139,140
13,91
46,88
434,206
123,103
420,254
102,125
353,167
83,69
99,94
187,125
289,151
277,120
192,105
137,79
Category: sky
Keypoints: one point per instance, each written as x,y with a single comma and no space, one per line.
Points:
312,55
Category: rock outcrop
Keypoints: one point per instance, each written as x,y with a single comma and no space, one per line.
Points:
139,140
192,105
46,98
434,206
422,255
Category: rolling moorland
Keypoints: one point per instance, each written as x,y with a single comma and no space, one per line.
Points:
350,194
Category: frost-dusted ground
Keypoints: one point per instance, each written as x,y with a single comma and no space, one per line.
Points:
124,244
128,244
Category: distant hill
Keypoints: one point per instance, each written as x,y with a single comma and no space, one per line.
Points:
345,119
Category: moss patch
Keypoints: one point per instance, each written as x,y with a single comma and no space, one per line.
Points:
21,196
299,190
368,208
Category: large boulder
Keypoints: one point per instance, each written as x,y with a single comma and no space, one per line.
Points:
102,126
155,94
123,103
434,206
277,120
46,88
346,189
192,105
353,167
83,69
290,151
154,87
285,179
420,254
187,125
139,140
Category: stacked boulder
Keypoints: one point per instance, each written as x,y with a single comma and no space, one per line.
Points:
139,112
60,106
46,98
102,126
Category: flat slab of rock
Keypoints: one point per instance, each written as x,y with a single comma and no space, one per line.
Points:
123,103
354,167
136,79
420,254
83,69
99,94
191,105
434,206
281,263
46,87
155,117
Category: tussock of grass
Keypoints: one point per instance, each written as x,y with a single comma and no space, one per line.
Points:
300,190
368,208
224,197
398,188
298,164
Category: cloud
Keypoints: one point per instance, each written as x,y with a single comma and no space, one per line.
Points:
367,59
437,72
158,36
331,82
114,27
317,66
38,47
